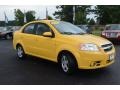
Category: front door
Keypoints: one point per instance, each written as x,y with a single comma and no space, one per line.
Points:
45,46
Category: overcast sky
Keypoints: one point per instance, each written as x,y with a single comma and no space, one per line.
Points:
40,11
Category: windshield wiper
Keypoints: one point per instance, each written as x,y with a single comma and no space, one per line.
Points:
80,33
69,33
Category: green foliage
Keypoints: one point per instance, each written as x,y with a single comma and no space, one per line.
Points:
107,14
81,14
19,16
65,12
50,18
30,16
96,32
10,23
2,23
91,22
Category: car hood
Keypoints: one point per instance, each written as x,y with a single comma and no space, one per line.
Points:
88,38
111,31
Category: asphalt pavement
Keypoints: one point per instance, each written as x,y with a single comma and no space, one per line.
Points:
36,71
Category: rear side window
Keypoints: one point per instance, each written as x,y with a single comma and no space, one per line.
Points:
29,29
41,28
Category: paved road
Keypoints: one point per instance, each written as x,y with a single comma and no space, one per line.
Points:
38,71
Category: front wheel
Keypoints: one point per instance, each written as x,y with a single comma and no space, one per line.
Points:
68,63
20,52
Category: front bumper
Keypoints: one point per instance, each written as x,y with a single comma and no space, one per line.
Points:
94,60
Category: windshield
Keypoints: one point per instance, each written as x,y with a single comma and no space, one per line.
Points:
113,27
67,28
84,27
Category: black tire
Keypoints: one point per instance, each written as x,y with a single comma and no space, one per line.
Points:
71,65
20,52
7,36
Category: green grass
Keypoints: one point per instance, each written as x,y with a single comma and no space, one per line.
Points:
96,32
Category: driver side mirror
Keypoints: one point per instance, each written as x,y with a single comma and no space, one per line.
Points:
47,34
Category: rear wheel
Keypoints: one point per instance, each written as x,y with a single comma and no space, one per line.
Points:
7,36
20,52
67,63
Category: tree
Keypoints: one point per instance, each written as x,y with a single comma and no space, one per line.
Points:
91,22
65,12
107,14
19,16
2,23
50,18
81,14
30,16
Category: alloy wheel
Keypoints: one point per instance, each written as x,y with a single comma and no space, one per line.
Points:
20,52
64,63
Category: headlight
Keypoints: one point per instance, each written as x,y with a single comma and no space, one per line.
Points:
89,47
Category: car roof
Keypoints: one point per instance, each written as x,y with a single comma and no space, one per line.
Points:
46,21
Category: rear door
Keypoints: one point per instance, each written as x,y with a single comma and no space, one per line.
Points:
28,38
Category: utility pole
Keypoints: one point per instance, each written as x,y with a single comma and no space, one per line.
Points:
73,14
46,14
25,20
6,20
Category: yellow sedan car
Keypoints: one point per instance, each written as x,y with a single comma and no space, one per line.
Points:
64,43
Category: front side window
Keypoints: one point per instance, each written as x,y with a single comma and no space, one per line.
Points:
42,28
29,29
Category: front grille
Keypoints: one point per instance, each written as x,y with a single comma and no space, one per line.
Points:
107,47
111,34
